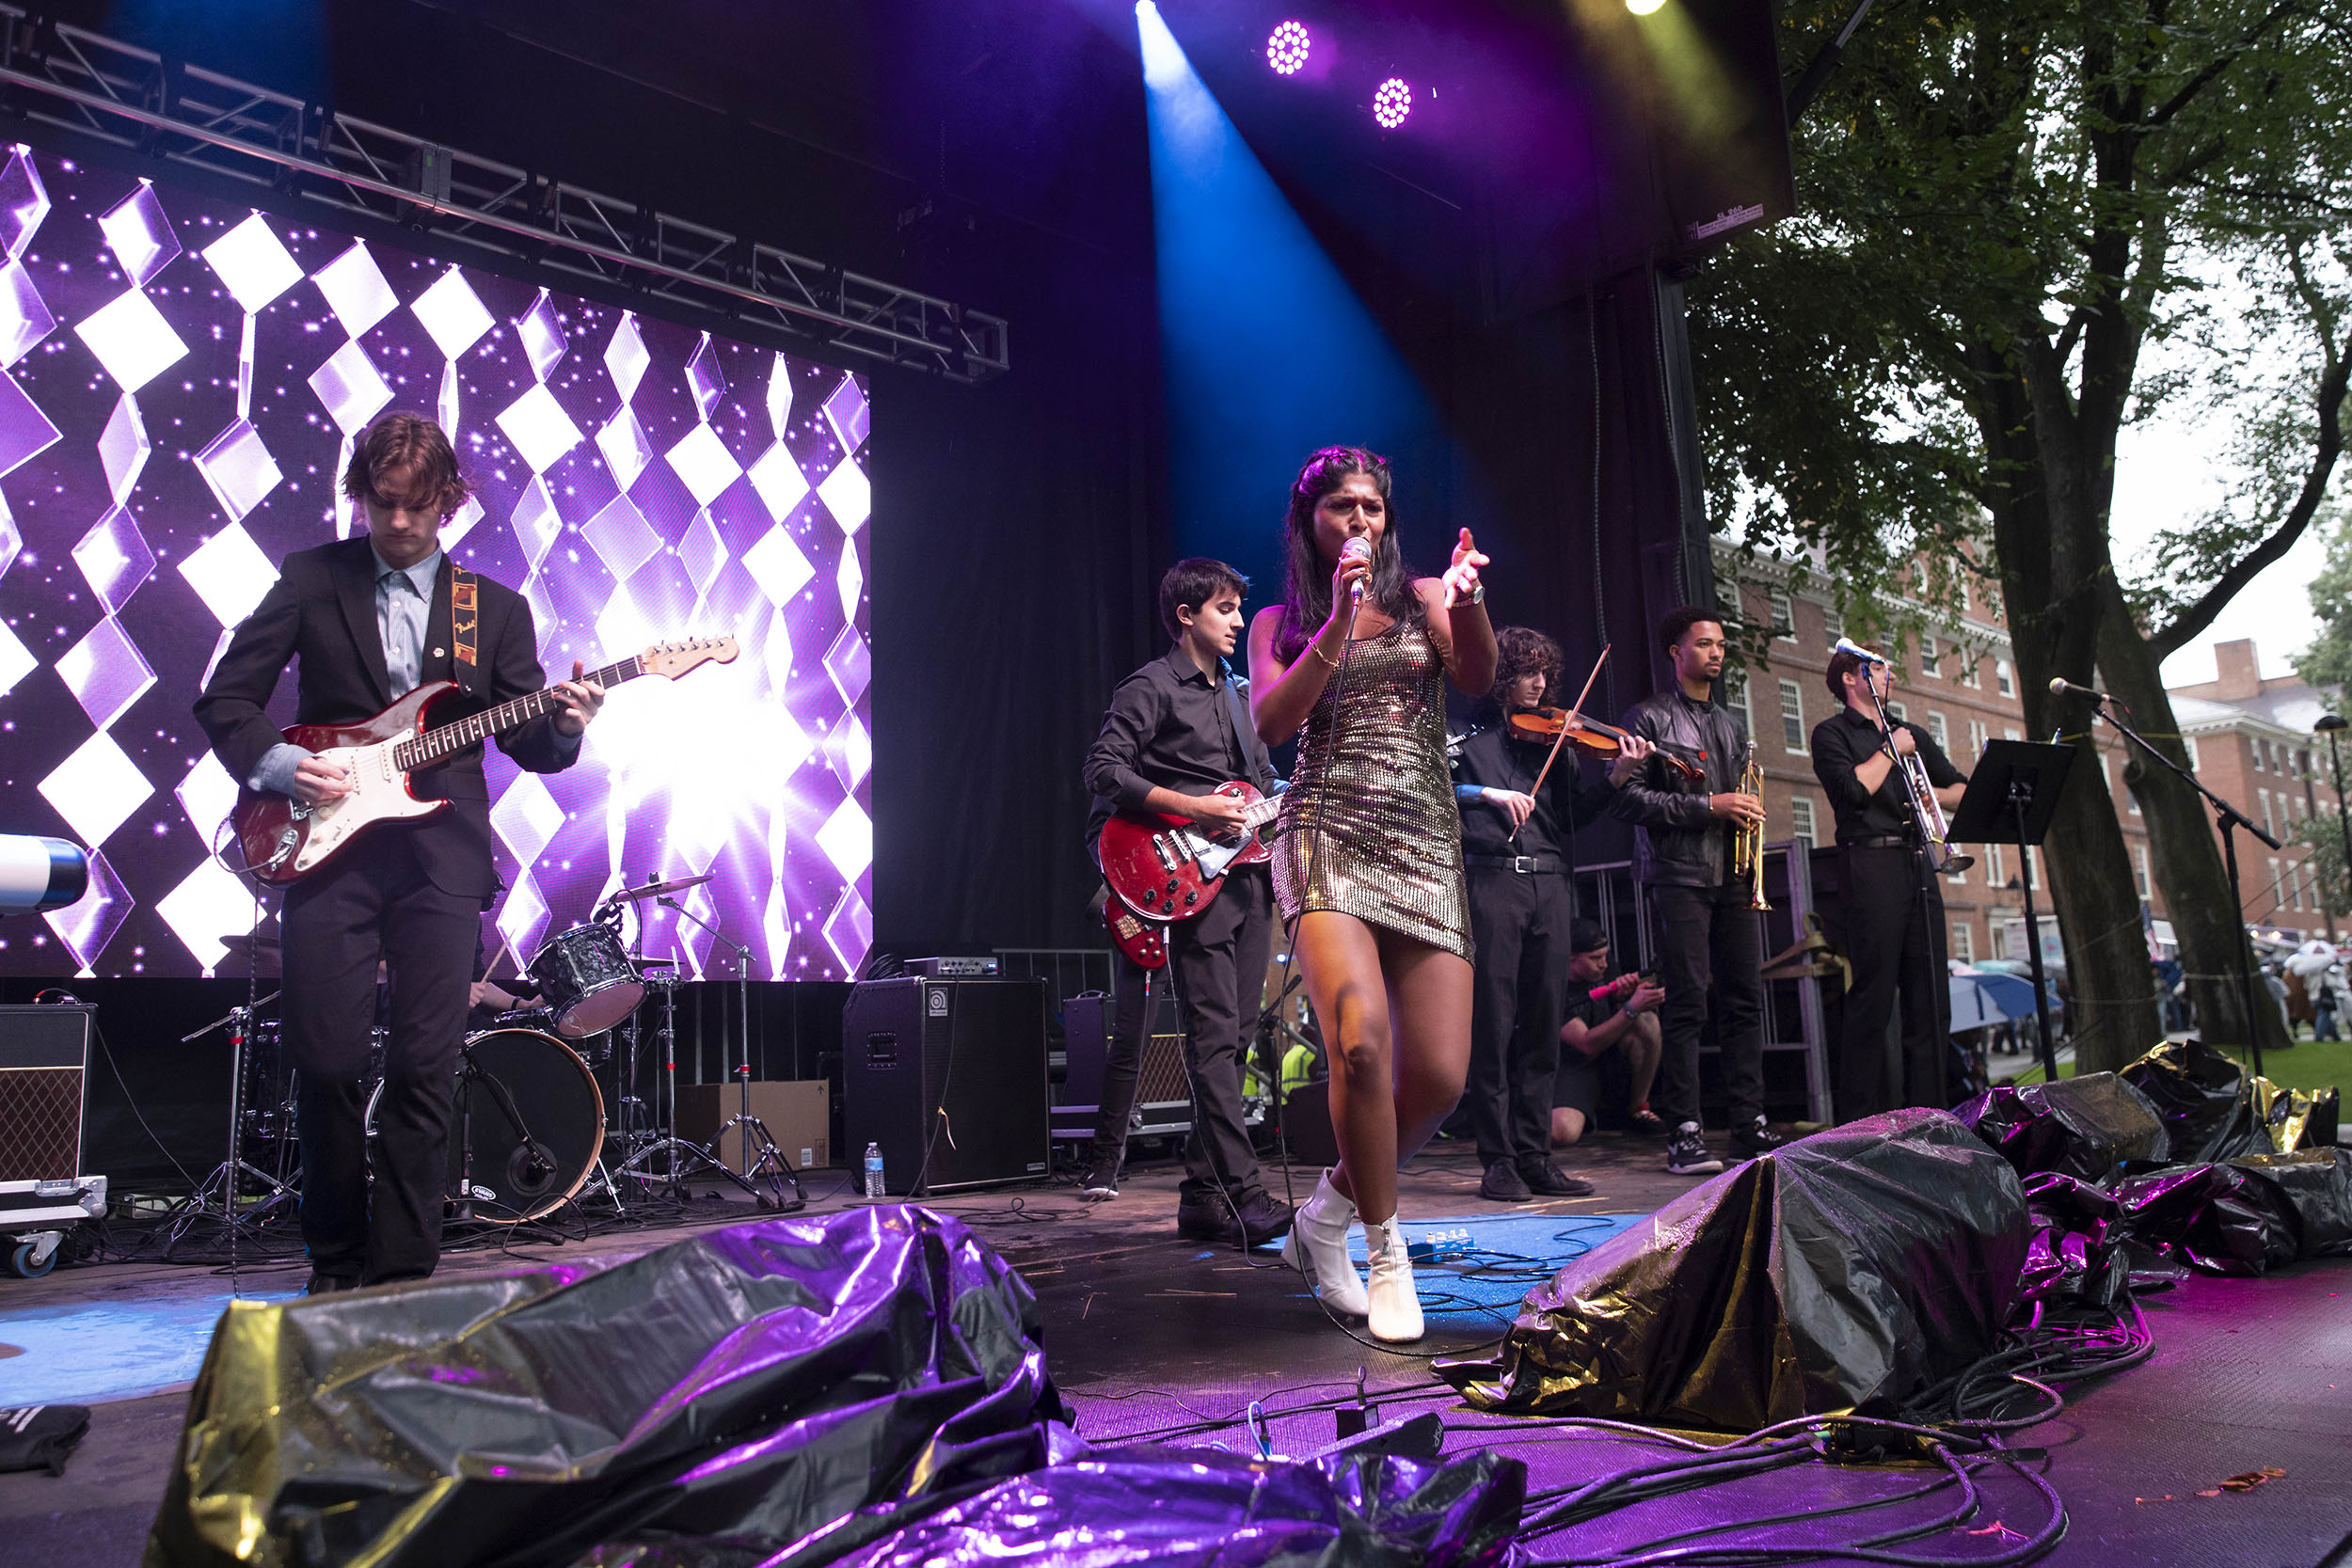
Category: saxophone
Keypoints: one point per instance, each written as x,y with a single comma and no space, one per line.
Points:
1747,839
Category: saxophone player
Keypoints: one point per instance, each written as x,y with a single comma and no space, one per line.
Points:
1894,907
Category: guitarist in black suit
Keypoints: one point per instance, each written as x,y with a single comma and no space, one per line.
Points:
1177,728
369,620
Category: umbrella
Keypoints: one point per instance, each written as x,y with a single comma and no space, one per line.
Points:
2313,958
1989,998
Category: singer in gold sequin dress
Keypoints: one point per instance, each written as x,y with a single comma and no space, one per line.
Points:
1368,854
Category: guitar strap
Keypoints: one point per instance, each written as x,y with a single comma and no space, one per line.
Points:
1261,774
465,620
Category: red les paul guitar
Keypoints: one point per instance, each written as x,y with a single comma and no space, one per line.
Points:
1169,868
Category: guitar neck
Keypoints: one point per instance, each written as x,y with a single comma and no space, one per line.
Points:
447,740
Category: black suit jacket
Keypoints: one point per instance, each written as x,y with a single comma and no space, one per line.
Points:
322,613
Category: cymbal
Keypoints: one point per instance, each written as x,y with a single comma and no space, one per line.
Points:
240,941
656,963
656,890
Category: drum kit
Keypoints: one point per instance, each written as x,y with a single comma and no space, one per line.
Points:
530,1128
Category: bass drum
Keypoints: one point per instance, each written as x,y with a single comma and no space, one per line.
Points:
552,1094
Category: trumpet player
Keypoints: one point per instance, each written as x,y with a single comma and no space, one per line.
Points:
1707,926
1893,903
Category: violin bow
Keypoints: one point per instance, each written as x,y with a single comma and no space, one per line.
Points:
1561,740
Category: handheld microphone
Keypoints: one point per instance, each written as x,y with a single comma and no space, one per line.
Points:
1358,549
2062,687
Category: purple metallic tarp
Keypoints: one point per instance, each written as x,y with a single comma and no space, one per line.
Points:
1845,1271
2081,1127
2213,1111
760,1381
2244,1216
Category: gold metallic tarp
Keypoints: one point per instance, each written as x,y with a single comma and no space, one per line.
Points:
2214,1110
1845,1271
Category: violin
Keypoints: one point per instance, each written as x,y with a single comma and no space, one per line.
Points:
1547,726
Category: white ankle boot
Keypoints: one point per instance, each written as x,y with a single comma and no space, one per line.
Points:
1396,1314
1317,1248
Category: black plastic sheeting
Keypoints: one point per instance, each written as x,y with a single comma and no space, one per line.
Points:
2244,1216
2213,1110
1842,1271
2082,1127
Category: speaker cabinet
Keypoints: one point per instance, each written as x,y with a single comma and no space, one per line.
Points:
1163,1094
44,1061
949,1078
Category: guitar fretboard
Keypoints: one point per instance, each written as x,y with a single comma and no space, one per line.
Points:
436,745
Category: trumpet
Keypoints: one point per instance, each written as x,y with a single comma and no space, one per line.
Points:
1747,839
1927,811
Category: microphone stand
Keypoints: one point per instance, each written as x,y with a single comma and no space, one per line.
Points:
770,1159
2228,818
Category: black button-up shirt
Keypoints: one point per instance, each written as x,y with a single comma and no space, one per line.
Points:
1844,742
1495,759
1170,725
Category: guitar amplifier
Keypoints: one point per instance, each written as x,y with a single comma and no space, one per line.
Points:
1163,1095
949,1078
44,1061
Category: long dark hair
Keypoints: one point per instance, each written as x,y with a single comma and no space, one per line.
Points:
1307,580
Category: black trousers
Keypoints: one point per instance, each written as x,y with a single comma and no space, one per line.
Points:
374,900
1895,953
1217,964
1519,1000
1709,935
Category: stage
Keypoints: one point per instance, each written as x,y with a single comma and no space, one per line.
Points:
1152,1338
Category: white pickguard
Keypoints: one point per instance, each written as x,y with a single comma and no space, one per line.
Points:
379,793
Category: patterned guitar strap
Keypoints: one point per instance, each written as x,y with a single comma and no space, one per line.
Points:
465,621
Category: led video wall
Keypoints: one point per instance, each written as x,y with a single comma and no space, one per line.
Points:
180,384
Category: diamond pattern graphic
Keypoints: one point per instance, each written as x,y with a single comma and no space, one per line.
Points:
23,203
851,580
537,525
527,818
24,316
848,496
230,574
845,411
621,537
114,558
703,463
11,541
702,552
452,314
848,839
461,523
132,340
205,796
541,332
524,913
239,469
16,660
850,751
778,566
24,430
141,235
87,926
850,931
105,673
352,389
96,789
703,379
624,357
123,448
780,398
541,431
779,482
850,664
626,446
252,263
354,288
206,906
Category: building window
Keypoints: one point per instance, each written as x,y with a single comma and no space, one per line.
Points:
1963,942
1993,875
2302,764
2295,882
2010,732
1975,741
1937,733
1791,716
1926,653
2000,939
2269,825
2189,744
2277,897
1736,698
1969,675
2004,679
2139,868
2257,746
1783,617
1895,711
1801,820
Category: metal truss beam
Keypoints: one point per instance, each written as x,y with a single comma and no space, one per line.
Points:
98,87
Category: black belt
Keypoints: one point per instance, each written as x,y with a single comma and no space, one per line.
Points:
1526,866
1878,841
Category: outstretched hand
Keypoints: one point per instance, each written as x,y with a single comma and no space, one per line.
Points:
1461,577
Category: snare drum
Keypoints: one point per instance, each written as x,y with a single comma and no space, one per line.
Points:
586,980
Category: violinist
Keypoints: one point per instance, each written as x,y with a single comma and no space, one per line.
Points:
1517,848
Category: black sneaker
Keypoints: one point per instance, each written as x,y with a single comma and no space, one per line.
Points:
1503,1183
1100,1184
1208,1220
1264,1216
1754,1139
1549,1180
328,1284
1686,1153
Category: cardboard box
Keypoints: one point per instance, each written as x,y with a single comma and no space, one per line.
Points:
797,1114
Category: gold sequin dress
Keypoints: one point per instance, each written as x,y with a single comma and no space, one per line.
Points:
1369,826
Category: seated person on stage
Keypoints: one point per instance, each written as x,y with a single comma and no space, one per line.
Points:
490,999
1517,850
1178,728
1604,1014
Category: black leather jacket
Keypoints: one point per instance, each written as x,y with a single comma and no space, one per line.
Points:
1680,841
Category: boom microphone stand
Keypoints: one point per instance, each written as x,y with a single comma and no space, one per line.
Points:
770,1161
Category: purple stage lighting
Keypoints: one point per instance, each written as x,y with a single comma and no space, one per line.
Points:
1392,103
1286,48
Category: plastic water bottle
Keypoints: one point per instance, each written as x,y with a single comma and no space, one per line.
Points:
873,1173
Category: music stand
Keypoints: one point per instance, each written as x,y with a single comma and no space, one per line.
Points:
2010,799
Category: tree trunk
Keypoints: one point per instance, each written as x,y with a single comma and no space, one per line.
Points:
2186,860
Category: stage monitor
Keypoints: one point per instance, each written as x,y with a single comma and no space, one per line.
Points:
182,381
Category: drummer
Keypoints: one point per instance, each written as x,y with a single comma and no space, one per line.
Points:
490,999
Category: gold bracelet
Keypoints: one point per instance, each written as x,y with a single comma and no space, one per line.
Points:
1321,654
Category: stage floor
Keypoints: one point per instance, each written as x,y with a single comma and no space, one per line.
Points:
1146,1334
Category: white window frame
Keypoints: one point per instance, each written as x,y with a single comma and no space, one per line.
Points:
2139,866
1784,615
1963,942
1977,735
1928,655
1939,731
2189,744
2004,679
2256,746
1995,874
1971,671
1801,820
1792,719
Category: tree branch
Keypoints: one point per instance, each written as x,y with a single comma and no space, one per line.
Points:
2171,107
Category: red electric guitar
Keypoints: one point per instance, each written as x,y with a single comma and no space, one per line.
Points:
1145,945
283,840
1168,868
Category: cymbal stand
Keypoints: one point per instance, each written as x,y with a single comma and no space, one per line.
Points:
771,1160
222,1181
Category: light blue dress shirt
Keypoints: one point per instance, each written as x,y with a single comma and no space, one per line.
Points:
403,600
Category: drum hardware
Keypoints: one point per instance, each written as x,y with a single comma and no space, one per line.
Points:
535,1145
769,1161
223,1182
